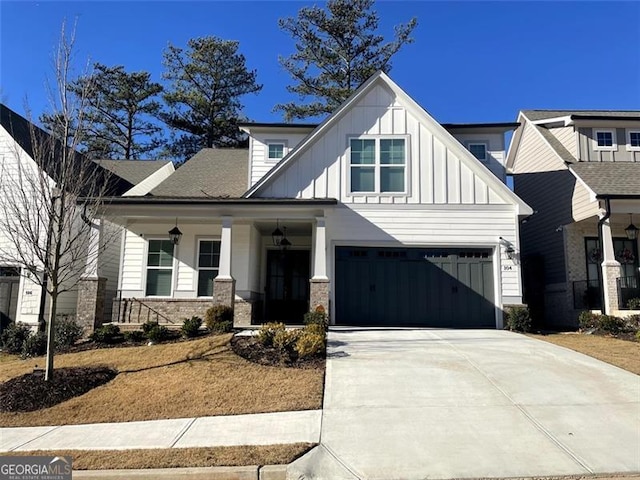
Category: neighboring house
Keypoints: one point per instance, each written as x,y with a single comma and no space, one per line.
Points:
21,298
580,172
379,214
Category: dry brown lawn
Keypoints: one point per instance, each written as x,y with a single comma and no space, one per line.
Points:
186,379
621,353
179,457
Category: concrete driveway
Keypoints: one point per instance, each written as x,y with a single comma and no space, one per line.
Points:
430,403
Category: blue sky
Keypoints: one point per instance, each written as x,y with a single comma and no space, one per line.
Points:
471,61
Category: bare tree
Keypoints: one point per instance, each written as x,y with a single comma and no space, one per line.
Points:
48,232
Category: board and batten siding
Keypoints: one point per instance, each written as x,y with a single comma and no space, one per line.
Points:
467,227
495,149
259,163
435,174
621,153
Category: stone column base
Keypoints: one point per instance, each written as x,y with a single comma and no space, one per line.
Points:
224,292
319,294
90,306
610,274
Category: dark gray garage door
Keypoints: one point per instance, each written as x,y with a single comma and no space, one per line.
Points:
445,287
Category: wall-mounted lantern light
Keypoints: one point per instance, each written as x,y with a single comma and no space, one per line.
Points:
175,234
631,230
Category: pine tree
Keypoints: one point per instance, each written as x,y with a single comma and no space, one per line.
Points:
207,81
337,49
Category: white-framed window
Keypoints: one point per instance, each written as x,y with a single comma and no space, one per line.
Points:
604,139
378,165
159,268
208,263
275,150
633,139
478,150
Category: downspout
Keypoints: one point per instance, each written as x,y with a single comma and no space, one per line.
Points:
607,214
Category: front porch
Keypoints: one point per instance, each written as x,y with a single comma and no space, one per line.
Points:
602,263
232,260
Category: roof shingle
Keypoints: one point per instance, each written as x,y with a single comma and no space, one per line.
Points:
534,115
134,171
610,178
210,173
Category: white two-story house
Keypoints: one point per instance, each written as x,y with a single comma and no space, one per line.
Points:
379,214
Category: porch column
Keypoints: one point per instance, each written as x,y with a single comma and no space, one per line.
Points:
91,287
319,283
610,270
224,285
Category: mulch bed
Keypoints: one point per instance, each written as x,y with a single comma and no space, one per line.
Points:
251,349
30,392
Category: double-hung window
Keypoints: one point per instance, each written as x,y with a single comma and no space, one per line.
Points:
634,139
208,262
378,165
159,268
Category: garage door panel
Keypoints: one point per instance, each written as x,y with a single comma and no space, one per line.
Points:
414,287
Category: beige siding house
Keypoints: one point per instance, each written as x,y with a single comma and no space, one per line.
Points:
580,172
379,214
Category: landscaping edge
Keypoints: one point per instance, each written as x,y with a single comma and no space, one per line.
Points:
253,472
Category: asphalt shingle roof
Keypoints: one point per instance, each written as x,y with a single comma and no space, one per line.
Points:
134,171
210,173
610,178
534,115
556,145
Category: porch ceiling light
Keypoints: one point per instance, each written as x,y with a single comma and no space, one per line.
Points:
175,234
631,230
277,236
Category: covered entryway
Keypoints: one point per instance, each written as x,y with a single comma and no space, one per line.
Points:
9,284
287,289
444,287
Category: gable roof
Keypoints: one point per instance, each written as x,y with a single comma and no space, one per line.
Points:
380,77
134,171
210,173
610,178
23,132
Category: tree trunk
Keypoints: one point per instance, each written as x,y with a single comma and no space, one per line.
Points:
48,374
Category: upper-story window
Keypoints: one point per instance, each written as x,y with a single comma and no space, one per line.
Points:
633,139
276,151
479,150
378,165
604,139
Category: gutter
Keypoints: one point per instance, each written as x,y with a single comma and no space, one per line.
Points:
149,200
601,221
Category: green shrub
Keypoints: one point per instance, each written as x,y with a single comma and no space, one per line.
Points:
158,333
319,317
518,319
67,333
134,336
219,319
107,334
309,343
13,337
191,326
268,331
633,322
588,320
147,326
315,328
611,324
285,340
633,303
35,345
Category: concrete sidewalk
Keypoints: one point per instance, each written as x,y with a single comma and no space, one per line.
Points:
231,430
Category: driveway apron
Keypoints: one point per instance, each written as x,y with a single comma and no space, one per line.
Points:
432,403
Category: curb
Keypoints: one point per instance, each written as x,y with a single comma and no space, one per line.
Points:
253,472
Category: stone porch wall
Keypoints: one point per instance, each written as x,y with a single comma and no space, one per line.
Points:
90,303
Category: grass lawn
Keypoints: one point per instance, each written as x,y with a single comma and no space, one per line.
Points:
179,457
175,380
621,353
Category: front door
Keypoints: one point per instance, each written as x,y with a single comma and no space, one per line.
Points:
9,283
287,288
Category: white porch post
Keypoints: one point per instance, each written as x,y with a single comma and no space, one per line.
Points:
224,285
93,247
610,269
319,283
